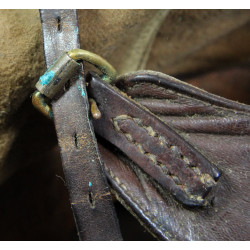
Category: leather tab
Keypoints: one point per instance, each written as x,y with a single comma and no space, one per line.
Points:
151,144
220,131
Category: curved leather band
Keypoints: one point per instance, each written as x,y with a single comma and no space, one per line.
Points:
86,182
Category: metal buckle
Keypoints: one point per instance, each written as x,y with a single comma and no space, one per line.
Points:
55,78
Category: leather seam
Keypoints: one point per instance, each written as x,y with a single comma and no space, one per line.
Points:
202,177
130,194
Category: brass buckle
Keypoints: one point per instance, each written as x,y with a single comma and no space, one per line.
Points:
55,78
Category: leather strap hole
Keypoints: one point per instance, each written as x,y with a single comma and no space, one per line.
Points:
59,26
91,199
67,86
76,140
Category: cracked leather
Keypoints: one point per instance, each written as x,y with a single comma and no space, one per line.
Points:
86,182
170,144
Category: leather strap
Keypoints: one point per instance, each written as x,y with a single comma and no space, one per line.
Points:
153,145
86,182
216,127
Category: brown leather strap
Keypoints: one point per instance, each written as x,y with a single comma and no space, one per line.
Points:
153,78
216,127
152,144
86,182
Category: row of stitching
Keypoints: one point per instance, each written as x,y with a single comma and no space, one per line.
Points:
175,179
162,141
146,213
150,156
151,133
204,178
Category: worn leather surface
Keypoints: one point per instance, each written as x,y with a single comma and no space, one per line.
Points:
89,193
216,127
153,145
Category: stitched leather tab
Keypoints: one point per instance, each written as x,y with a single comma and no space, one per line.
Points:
150,143
222,135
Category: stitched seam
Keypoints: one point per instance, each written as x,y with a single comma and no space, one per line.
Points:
151,133
147,214
204,178
150,156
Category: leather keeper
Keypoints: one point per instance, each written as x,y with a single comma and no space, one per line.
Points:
57,75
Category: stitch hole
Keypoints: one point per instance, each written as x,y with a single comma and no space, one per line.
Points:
76,140
170,174
91,199
175,179
59,26
67,86
159,164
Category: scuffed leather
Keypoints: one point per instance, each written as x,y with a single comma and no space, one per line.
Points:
90,197
216,127
153,145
